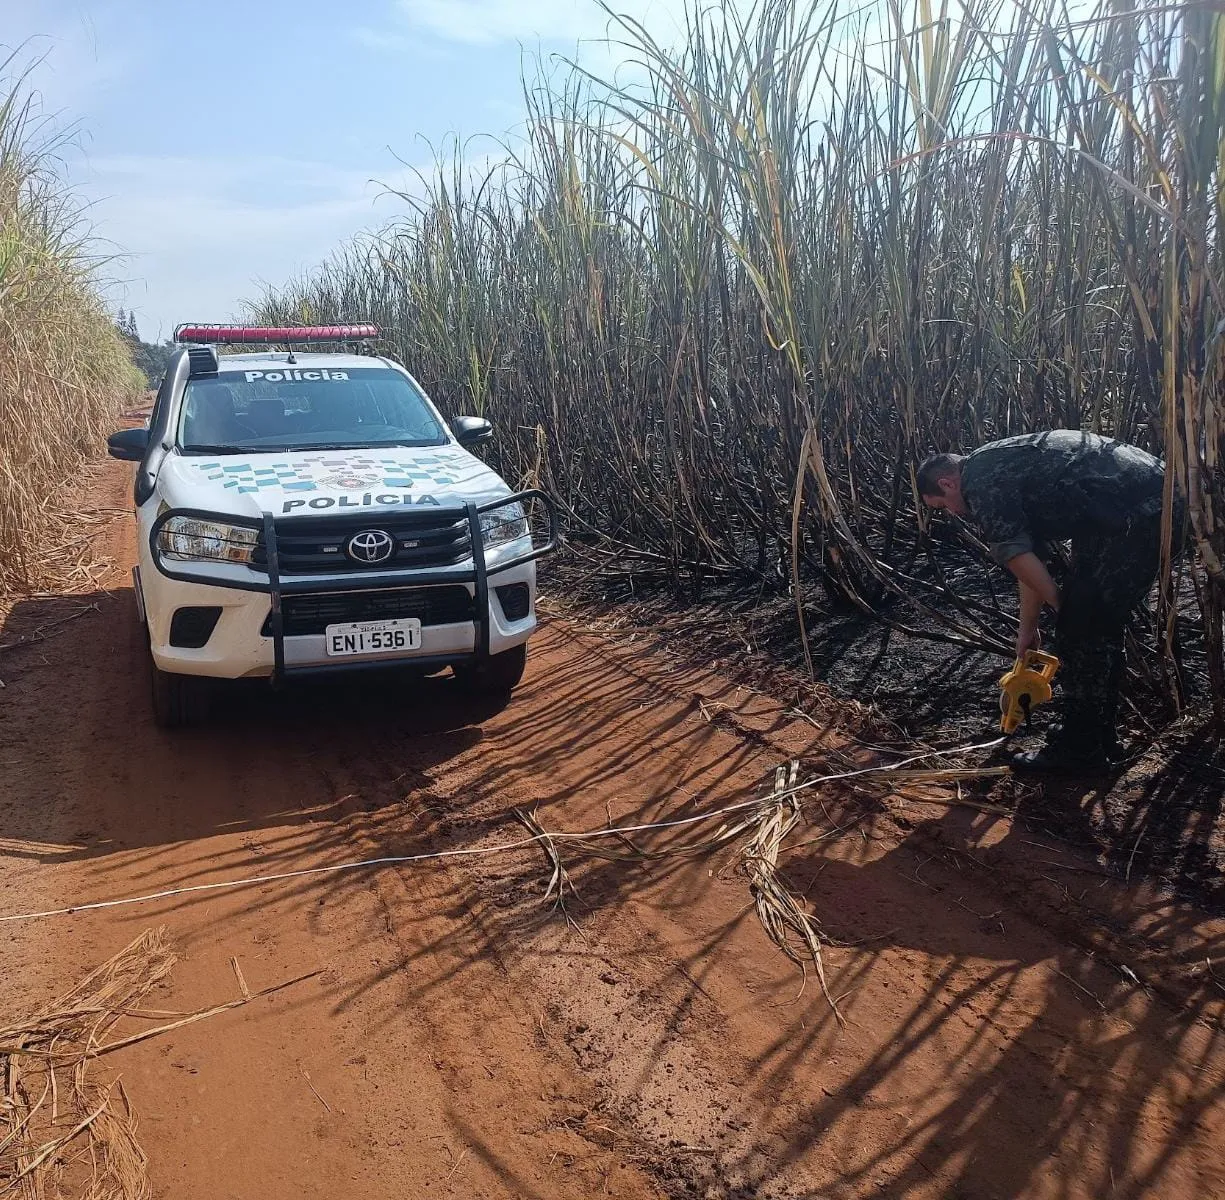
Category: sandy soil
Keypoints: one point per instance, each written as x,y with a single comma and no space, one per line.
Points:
1018,1024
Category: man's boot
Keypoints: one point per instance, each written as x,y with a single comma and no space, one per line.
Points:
1062,758
1080,745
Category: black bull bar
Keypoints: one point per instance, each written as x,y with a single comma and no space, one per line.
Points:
477,573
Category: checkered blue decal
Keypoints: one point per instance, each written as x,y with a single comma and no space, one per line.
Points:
311,472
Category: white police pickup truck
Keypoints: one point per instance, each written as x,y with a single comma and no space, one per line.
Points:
307,513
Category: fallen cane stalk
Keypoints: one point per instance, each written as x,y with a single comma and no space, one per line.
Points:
559,880
199,1016
51,1147
781,916
769,822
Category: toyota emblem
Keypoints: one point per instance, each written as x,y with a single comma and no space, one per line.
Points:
370,547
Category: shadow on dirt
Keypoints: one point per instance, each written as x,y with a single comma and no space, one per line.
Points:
1074,1079
1016,1061
1156,820
1027,1060
88,772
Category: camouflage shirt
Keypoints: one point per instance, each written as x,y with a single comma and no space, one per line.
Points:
1055,486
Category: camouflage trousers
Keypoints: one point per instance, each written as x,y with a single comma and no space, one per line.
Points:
1111,575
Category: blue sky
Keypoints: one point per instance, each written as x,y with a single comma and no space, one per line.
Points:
222,144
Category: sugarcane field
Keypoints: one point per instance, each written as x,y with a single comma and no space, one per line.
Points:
612,599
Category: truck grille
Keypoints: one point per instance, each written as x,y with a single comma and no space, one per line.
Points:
316,545
301,615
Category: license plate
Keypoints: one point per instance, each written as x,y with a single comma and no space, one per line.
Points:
373,637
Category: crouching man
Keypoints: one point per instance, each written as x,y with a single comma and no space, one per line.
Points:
1103,496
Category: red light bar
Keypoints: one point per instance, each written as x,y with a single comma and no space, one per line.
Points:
234,335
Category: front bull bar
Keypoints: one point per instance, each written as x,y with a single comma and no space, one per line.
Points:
478,575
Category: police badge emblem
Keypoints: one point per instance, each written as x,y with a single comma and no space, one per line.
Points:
351,481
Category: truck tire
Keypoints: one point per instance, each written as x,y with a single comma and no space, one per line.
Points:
498,675
179,701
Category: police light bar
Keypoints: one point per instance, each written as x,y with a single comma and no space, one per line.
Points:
236,335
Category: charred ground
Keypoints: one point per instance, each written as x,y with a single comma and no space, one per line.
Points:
1155,818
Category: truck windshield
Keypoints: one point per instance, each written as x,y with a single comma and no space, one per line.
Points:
305,408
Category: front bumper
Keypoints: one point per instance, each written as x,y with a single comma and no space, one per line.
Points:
250,639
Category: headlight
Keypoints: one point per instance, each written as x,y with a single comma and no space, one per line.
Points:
187,538
506,524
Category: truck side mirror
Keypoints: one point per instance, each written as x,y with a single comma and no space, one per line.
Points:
472,431
128,445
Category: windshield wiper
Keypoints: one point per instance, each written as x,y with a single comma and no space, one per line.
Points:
371,445
196,448
417,444
207,449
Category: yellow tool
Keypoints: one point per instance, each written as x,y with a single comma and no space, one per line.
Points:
1026,686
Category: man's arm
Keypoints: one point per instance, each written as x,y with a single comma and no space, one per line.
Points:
1028,637
1031,571
997,505
1036,587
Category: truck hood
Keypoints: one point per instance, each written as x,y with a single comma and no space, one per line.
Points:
312,482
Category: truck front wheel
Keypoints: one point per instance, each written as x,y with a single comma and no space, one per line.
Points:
179,700
498,675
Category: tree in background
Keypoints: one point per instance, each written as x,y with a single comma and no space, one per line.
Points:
148,357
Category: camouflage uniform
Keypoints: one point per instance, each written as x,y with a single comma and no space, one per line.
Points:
1105,498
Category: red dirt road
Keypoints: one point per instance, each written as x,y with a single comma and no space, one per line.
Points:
1017,1026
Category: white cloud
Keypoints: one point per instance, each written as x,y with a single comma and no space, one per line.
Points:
398,40
506,20
487,22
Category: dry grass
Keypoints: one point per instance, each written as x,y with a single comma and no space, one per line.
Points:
814,243
64,372
60,1132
